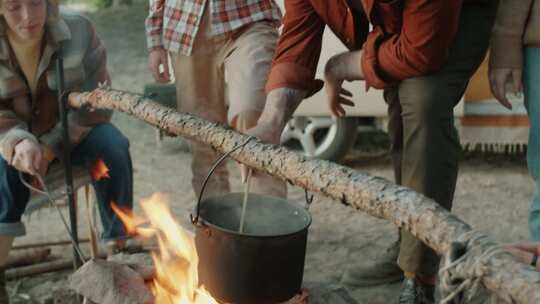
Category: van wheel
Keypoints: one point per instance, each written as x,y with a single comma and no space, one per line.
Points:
327,138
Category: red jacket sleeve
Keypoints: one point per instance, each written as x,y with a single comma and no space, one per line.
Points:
428,30
299,47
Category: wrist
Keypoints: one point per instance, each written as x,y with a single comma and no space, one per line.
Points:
333,70
24,141
280,106
345,66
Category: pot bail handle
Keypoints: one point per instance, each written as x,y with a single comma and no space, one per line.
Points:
309,199
195,219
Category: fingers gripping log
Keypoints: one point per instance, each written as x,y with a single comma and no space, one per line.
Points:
376,196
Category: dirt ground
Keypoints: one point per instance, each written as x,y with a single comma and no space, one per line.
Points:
493,193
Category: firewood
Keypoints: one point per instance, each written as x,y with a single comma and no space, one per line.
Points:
27,257
46,244
20,272
424,218
40,268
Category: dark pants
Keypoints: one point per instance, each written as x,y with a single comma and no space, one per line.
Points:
104,142
425,143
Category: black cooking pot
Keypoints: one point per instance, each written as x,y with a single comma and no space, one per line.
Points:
262,265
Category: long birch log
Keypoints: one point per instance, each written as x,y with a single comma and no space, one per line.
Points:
425,219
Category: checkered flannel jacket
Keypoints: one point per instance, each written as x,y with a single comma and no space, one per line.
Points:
173,24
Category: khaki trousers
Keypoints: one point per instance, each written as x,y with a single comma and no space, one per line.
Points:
232,67
425,143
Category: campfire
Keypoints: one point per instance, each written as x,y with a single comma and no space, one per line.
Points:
376,196
176,280
175,260
172,276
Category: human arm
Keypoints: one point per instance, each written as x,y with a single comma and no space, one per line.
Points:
340,68
525,251
506,57
157,56
421,46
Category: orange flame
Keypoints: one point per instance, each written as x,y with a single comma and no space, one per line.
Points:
177,280
132,222
99,170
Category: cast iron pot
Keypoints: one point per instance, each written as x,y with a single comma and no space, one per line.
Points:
262,265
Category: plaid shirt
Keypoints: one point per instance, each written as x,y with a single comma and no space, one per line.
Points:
34,116
173,24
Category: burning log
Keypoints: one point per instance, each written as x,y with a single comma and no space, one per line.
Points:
435,226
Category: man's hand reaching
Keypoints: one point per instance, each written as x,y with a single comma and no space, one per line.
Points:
345,66
159,58
279,108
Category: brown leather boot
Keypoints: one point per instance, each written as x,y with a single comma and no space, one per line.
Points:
385,270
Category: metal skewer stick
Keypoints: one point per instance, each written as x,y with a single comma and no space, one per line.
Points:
66,154
47,193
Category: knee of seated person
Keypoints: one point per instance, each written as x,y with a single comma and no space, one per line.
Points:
6,170
110,137
3,165
11,215
121,142
116,156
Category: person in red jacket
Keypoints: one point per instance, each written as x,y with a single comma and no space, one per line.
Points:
422,53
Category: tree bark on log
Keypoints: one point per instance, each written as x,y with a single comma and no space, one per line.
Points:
425,219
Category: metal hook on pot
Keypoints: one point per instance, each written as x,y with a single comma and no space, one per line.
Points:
195,219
